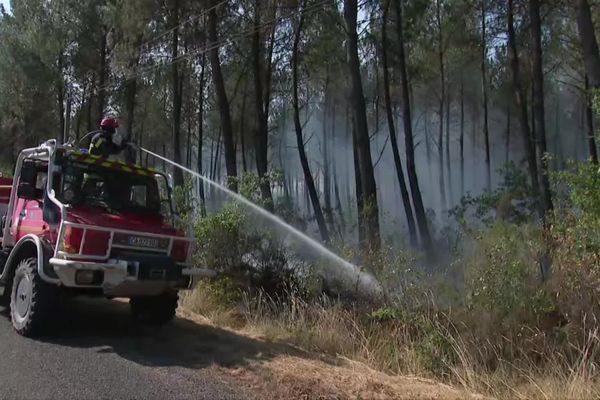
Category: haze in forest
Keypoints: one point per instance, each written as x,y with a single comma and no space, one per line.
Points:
218,86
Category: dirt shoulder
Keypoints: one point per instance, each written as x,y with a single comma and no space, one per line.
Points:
281,371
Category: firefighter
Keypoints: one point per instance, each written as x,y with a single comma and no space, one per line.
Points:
108,142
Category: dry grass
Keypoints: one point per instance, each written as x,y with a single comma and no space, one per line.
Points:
396,351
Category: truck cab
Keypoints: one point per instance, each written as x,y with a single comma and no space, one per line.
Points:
88,225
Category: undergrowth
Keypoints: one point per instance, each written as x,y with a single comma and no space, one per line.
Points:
485,319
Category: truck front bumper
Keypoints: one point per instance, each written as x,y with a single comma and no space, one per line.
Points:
122,278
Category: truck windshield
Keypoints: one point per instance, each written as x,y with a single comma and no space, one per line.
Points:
109,189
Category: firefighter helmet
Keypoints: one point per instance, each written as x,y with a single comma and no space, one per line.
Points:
109,123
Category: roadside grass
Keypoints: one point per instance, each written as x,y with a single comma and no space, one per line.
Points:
398,348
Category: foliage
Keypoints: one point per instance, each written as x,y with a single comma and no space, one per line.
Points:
512,201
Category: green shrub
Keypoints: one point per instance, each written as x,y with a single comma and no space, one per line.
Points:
512,201
503,277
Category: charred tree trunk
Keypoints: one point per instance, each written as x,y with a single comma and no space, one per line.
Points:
589,42
370,209
242,133
408,137
462,138
262,131
441,106
486,132
412,228
508,128
328,210
538,106
521,101
448,160
362,235
308,178
223,102
589,117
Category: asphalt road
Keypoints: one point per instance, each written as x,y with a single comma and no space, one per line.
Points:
96,351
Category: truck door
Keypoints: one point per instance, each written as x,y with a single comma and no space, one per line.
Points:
28,215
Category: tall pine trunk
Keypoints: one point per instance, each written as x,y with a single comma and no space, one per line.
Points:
328,209
589,43
538,105
262,129
484,84
370,209
589,117
441,106
462,138
223,102
412,229
177,96
408,138
308,178
102,76
200,127
448,159
521,100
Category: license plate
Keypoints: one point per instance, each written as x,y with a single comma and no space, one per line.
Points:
141,242
136,241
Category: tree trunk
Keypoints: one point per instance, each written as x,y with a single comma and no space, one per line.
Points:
412,229
362,235
462,138
589,116
448,160
441,106
408,137
589,43
508,126
223,102
370,208
262,131
90,121
60,101
308,178
102,77
177,96
486,132
131,89
328,209
81,108
242,133
538,106
521,101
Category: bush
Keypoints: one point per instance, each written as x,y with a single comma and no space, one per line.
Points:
512,201
232,243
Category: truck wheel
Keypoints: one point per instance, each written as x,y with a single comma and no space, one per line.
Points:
31,299
157,310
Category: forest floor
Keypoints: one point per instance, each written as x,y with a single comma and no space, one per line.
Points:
278,370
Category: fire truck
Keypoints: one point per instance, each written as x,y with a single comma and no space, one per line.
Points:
78,224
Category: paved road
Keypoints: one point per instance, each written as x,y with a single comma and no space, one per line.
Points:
96,351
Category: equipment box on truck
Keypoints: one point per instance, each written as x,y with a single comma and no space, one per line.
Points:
83,224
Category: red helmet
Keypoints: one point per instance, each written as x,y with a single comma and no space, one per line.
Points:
109,123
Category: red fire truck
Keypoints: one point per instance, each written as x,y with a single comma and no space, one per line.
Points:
81,224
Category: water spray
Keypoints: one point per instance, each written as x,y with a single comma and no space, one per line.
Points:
362,280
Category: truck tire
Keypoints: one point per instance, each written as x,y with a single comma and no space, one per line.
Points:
31,299
156,310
